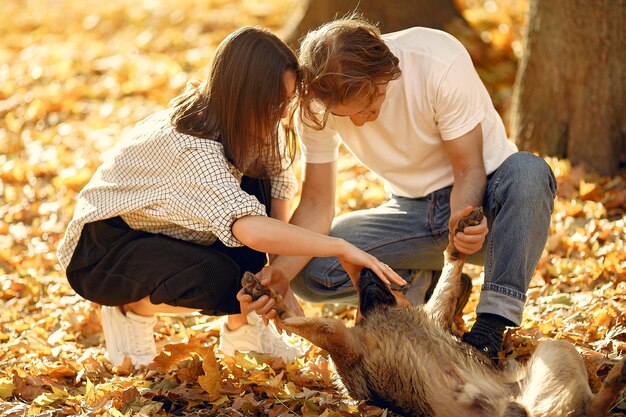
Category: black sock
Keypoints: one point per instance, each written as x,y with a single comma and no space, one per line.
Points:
487,333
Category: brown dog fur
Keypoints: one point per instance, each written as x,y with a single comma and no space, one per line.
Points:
405,358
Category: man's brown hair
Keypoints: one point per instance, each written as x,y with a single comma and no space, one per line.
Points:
342,60
242,101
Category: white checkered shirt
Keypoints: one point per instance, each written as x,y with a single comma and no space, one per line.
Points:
162,181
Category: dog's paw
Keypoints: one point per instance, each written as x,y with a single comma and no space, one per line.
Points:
256,290
472,219
253,287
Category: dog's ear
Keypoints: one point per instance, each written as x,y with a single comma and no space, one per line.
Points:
329,334
401,300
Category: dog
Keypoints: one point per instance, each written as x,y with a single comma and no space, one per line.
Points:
406,359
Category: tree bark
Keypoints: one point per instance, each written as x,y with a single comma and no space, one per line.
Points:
391,16
569,95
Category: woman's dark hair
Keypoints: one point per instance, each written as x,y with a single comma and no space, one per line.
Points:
242,101
342,60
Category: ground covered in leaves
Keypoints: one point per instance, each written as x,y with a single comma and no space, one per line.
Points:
74,77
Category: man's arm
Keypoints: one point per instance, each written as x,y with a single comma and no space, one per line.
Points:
315,211
470,182
279,211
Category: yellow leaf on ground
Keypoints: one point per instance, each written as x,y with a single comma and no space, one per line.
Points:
50,397
6,388
211,381
173,354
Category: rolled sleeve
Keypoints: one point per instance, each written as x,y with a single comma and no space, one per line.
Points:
284,185
208,197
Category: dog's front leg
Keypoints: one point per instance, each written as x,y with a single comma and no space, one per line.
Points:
443,302
329,334
341,342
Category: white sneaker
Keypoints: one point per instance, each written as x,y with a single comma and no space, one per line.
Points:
128,335
257,337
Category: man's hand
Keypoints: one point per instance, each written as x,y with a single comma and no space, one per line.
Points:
472,238
470,182
271,276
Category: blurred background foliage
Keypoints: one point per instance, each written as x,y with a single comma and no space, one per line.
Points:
75,75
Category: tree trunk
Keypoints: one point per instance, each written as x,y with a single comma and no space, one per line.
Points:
391,16
569,95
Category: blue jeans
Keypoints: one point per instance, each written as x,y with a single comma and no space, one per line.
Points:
410,235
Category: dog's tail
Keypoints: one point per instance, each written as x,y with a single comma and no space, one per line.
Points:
555,363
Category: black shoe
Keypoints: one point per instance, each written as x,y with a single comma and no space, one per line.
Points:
487,334
466,291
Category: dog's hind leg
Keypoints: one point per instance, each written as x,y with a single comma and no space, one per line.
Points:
614,383
556,383
443,302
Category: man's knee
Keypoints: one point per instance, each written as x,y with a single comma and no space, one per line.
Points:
304,289
531,178
316,283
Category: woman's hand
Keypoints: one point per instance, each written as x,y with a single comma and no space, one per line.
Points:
354,259
262,306
472,238
271,276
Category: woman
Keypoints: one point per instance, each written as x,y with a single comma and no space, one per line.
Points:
193,197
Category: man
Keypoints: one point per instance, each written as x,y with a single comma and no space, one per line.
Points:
411,107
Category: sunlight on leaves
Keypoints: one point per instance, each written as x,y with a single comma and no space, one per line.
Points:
73,79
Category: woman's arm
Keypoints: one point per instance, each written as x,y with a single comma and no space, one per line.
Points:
265,234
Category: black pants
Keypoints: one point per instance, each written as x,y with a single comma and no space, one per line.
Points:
116,265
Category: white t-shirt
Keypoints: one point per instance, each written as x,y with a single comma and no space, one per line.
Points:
439,97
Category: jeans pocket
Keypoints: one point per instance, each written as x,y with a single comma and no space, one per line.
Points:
439,212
